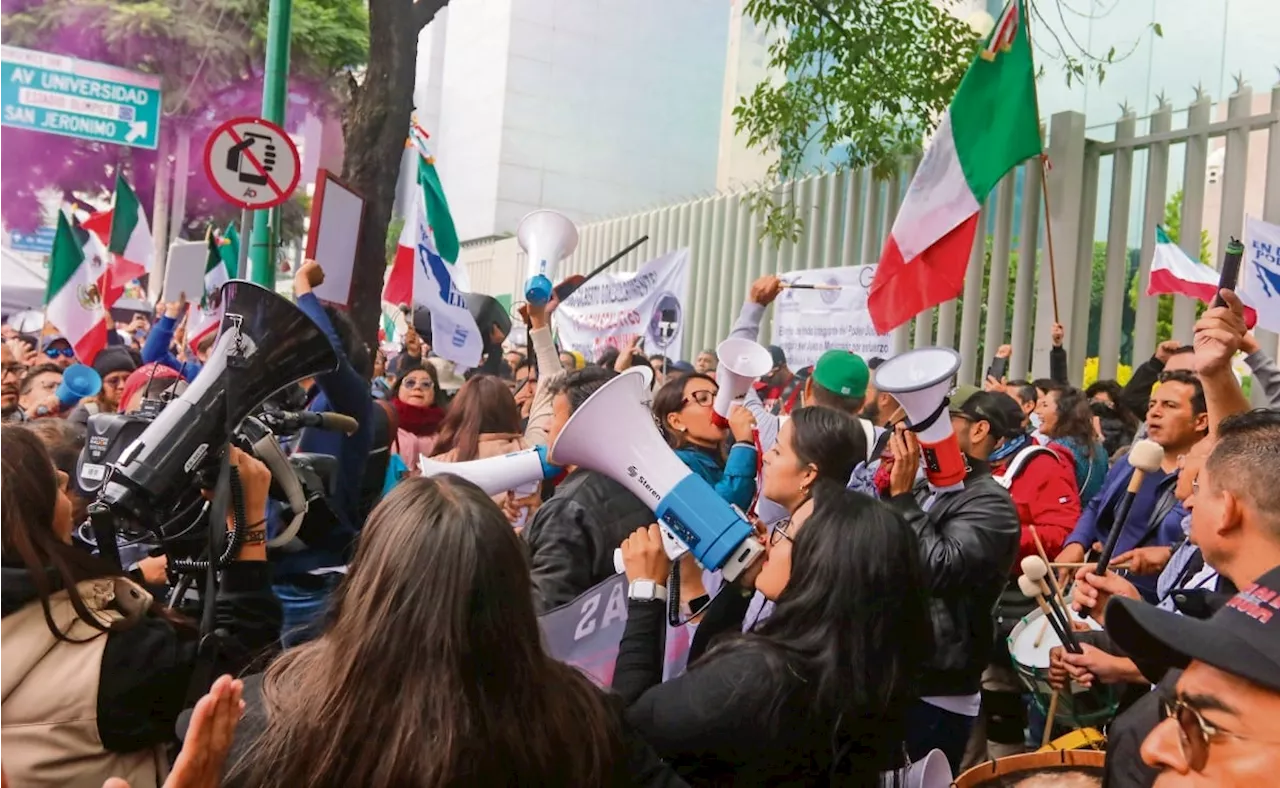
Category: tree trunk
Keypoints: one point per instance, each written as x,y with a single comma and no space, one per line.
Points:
375,126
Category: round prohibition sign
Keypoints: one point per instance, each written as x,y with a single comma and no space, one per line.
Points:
252,163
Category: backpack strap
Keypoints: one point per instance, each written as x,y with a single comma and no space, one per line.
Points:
1019,462
869,431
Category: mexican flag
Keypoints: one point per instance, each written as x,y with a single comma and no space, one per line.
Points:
991,127
399,286
109,285
1173,272
73,303
130,239
206,315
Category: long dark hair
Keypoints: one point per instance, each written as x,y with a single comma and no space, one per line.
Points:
483,404
434,654
30,496
853,625
670,399
829,439
1075,419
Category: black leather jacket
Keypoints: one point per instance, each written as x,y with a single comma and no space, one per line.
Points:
968,542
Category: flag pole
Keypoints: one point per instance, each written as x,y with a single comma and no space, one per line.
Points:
1044,176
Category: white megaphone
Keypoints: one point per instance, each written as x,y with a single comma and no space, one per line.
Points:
497,474
614,433
645,373
547,237
920,380
741,363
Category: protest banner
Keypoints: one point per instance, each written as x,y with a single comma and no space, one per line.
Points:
807,323
1259,285
613,308
586,632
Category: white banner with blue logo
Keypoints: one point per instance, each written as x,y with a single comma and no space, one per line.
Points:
808,323
454,334
1259,284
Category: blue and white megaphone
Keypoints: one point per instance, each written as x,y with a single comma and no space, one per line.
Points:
547,237
613,433
497,475
78,382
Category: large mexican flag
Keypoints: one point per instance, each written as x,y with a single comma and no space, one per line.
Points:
991,127
73,302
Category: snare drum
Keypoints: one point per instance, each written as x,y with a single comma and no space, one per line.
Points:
1082,705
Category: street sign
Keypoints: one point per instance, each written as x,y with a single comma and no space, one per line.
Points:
252,163
76,98
40,241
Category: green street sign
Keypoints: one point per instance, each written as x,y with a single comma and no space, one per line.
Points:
76,98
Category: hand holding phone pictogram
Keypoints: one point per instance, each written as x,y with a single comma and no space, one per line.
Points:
238,163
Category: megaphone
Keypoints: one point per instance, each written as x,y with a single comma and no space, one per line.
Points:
547,237
265,344
920,380
645,373
78,382
741,363
497,474
614,433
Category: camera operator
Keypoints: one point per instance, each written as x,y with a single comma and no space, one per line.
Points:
304,579
95,670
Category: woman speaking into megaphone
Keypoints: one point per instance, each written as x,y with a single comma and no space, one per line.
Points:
683,409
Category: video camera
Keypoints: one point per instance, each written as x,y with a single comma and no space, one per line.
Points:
148,469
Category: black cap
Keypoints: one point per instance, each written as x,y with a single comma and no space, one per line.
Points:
997,409
778,355
1242,639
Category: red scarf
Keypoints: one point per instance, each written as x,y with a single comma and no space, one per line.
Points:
418,420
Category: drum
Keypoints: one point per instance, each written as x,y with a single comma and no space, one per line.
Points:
1004,771
1029,644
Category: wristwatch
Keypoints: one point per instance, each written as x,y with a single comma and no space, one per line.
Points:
647,591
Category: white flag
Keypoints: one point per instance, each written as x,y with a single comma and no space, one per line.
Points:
454,333
1259,284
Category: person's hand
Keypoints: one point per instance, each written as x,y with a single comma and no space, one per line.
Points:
906,460
1071,554
1143,560
1004,351
50,406
520,510
691,586
1166,349
741,423
153,569
255,480
1093,664
1057,333
309,275
991,384
23,353
1093,592
1219,332
765,289
1058,675
1249,344
174,308
644,557
139,323
540,316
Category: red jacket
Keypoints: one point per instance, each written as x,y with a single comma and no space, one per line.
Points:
1045,494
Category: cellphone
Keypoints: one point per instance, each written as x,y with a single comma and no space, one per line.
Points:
999,366
1229,274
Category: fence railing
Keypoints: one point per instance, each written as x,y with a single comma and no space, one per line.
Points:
1007,295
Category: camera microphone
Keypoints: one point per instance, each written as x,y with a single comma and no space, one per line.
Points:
287,422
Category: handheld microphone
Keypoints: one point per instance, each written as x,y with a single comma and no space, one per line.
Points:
1145,457
1229,274
282,421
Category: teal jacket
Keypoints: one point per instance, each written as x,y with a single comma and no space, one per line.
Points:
1091,472
734,481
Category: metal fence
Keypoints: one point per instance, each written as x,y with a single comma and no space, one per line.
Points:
847,215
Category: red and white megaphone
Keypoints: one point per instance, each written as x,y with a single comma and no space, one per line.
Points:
613,433
512,471
920,380
741,363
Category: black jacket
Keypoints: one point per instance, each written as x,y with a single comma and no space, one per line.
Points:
1136,395
968,542
573,535
147,668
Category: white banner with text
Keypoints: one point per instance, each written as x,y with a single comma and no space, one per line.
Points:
808,323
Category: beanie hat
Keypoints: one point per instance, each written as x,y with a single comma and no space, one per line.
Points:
113,359
842,372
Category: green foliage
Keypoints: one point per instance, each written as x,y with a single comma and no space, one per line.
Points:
865,78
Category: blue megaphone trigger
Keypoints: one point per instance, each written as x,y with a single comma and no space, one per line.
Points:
693,507
78,382
549,471
537,290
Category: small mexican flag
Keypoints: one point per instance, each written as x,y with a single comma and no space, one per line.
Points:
73,302
990,127
206,315
1173,272
130,240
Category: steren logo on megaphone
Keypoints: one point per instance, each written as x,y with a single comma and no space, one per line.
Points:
635,474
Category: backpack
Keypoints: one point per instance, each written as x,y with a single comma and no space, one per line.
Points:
1019,462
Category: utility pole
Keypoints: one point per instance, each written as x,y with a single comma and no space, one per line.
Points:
275,90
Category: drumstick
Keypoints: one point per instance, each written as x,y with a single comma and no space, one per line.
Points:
798,286
1048,723
1044,627
1038,570
1031,590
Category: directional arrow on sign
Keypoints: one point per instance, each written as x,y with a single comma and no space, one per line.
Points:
137,130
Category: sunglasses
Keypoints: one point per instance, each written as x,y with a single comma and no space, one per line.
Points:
65,352
425,385
704,397
1194,732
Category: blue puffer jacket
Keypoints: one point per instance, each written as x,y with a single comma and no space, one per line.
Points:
735,481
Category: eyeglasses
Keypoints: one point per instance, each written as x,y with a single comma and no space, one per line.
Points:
1194,732
780,532
65,352
18,369
425,385
704,397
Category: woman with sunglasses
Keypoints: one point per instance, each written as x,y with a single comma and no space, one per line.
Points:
682,408
419,417
57,350
818,693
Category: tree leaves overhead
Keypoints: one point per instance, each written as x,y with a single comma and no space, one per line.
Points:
864,79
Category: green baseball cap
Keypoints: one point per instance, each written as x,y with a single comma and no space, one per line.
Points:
842,372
